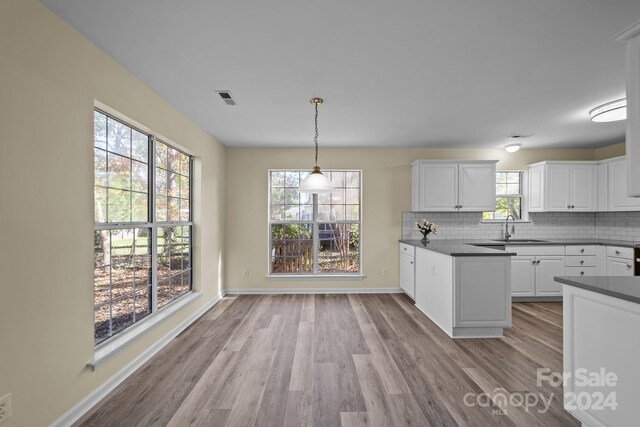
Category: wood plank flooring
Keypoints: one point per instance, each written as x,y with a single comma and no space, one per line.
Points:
331,360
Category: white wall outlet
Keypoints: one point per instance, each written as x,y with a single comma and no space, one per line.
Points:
385,272
5,408
245,274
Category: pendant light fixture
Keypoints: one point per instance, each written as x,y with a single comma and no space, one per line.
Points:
316,182
610,112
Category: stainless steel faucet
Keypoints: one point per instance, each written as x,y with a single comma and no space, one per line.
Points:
506,227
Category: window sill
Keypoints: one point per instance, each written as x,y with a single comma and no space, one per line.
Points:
325,277
501,221
105,350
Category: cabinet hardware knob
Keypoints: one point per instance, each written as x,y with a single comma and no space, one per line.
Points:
582,273
568,206
628,265
617,252
581,251
581,261
411,262
538,262
460,206
533,262
573,206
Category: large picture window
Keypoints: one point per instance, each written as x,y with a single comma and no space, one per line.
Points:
142,250
315,234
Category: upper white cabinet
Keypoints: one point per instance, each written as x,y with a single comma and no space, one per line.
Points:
562,187
618,187
631,36
446,186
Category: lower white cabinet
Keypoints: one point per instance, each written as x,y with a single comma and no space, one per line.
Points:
619,261
619,267
407,270
467,297
533,270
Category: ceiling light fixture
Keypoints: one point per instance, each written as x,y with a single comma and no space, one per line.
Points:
316,182
610,112
512,148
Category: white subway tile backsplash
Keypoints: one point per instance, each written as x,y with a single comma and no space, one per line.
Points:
620,226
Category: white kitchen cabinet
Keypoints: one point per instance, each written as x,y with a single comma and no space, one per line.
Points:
619,261
445,186
407,269
562,187
523,276
631,36
619,267
547,267
602,174
467,297
618,187
533,270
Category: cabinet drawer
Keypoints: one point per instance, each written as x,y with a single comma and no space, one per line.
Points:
580,261
620,252
407,249
580,271
535,250
581,250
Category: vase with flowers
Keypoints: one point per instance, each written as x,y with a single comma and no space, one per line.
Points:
426,227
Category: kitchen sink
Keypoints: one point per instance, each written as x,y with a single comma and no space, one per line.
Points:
520,241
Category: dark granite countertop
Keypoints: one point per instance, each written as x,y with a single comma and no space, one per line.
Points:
469,247
622,287
456,247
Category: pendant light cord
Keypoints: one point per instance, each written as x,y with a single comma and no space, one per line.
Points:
315,138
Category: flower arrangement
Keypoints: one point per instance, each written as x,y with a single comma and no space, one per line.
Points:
426,227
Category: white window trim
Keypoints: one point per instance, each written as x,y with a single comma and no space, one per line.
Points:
313,276
524,201
113,345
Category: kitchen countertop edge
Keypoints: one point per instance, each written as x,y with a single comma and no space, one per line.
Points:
621,287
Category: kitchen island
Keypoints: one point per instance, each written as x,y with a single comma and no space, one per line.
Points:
601,325
462,288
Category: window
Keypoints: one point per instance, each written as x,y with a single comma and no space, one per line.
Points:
132,235
508,196
315,234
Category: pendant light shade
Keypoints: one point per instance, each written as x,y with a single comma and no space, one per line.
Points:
316,182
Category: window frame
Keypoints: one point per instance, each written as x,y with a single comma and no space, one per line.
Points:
315,274
106,346
524,212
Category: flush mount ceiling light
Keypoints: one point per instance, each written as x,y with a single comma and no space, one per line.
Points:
610,112
316,182
512,148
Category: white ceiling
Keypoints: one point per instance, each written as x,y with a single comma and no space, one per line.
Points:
406,73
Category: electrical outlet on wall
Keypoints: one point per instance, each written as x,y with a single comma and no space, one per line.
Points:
5,408
385,272
245,274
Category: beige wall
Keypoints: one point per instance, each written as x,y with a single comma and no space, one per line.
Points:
49,79
386,193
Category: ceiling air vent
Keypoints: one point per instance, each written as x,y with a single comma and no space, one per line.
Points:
518,136
226,97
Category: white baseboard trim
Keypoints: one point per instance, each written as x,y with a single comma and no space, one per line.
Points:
270,291
82,407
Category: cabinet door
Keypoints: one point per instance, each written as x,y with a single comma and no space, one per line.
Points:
523,276
536,189
619,267
582,192
557,188
407,275
547,267
618,199
477,187
602,173
438,187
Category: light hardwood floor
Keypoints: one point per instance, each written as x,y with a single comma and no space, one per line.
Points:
331,360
